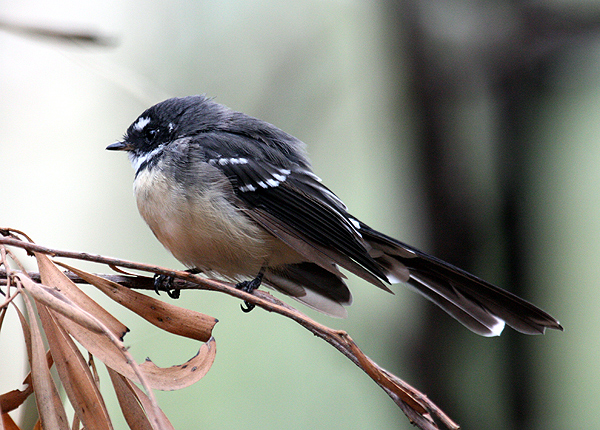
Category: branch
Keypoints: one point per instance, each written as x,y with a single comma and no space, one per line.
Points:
416,406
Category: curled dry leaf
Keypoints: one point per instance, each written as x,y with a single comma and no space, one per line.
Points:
135,405
8,422
53,276
64,311
72,326
13,399
50,408
59,303
171,318
182,375
110,354
75,375
169,378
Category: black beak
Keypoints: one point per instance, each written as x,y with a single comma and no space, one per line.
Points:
119,146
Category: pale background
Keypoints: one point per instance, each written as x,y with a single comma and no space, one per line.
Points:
330,73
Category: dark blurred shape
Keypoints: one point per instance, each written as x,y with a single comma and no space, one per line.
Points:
59,35
503,54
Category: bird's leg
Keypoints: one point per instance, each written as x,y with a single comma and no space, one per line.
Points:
249,287
165,283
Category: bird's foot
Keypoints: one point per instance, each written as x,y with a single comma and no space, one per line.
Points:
165,283
249,287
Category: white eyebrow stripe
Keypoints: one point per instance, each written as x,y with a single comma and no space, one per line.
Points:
141,123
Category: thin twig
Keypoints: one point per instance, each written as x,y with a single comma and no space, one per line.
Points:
417,407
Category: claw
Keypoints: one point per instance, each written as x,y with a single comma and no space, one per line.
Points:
165,283
248,307
174,293
249,287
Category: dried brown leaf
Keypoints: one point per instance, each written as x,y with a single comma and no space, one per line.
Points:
136,407
111,355
171,318
182,375
26,332
111,339
53,276
49,405
56,301
15,398
96,343
103,348
75,375
8,422
2,314
75,424
11,400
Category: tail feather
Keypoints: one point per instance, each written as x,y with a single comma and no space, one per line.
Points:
476,318
479,305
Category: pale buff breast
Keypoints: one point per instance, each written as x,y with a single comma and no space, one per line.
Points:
205,230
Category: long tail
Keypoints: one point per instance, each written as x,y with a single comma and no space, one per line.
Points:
479,305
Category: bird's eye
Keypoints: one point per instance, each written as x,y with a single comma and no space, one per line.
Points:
151,133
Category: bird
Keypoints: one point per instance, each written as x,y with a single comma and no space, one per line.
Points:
233,196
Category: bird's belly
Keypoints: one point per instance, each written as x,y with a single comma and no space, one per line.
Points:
205,230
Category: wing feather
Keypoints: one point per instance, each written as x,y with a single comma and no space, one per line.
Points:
291,203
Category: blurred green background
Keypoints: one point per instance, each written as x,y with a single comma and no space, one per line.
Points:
469,129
